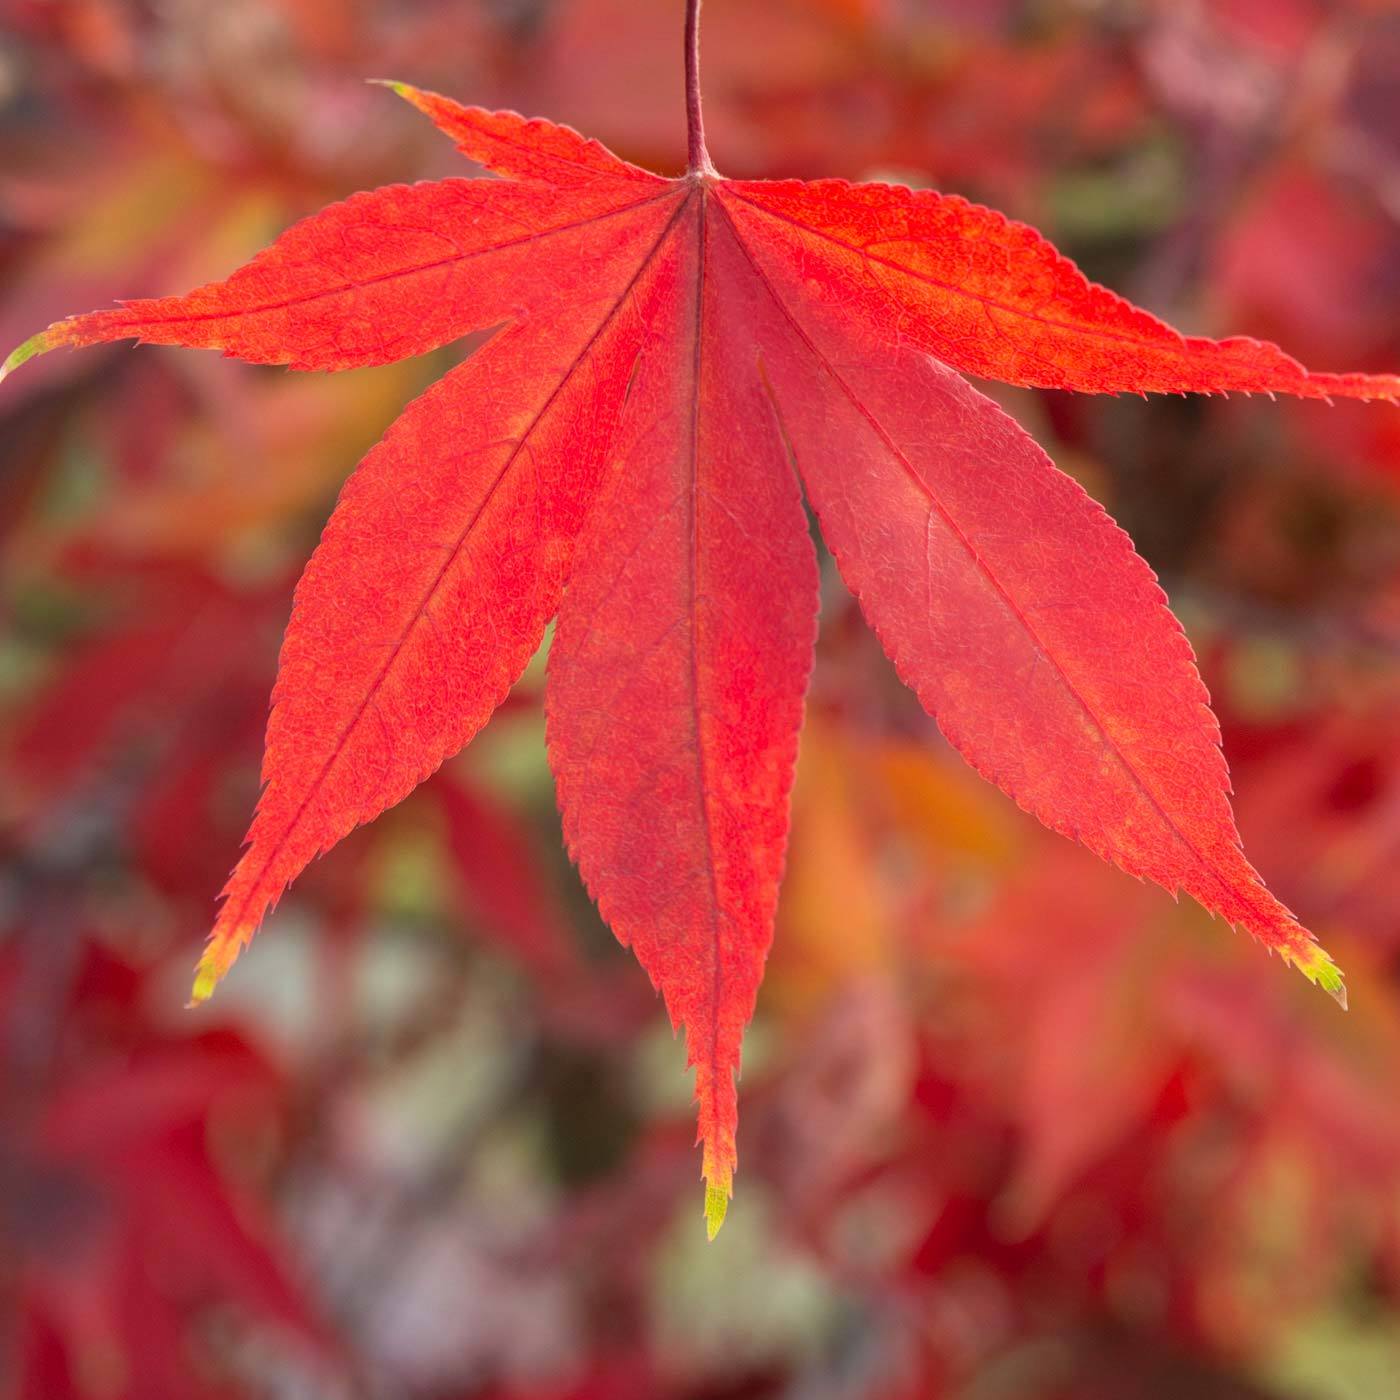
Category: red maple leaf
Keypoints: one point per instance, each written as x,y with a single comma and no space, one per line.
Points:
625,453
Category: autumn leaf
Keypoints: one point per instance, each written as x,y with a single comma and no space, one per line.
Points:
671,357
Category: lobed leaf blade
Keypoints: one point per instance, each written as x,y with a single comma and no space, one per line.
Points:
990,296
677,676
385,274
522,148
433,582
1015,608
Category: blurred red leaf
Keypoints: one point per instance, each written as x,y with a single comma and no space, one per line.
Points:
500,880
122,1220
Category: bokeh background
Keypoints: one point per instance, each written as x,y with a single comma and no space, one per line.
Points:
1013,1125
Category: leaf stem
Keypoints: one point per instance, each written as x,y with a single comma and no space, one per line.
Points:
695,122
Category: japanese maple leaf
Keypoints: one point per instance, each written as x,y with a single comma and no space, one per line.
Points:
672,357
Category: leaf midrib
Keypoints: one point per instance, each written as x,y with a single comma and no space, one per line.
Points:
701,766
406,273
1176,341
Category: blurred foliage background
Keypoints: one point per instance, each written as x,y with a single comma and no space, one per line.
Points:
1014,1125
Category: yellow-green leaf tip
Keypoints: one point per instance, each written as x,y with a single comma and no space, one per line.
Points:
716,1206
1317,966
404,90
204,983
35,345
207,976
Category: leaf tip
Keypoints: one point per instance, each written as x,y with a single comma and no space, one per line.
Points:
1316,964
35,345
717,1196
220,954
717,1168
407,91
206,978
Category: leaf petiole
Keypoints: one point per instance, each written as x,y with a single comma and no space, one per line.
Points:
695,122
